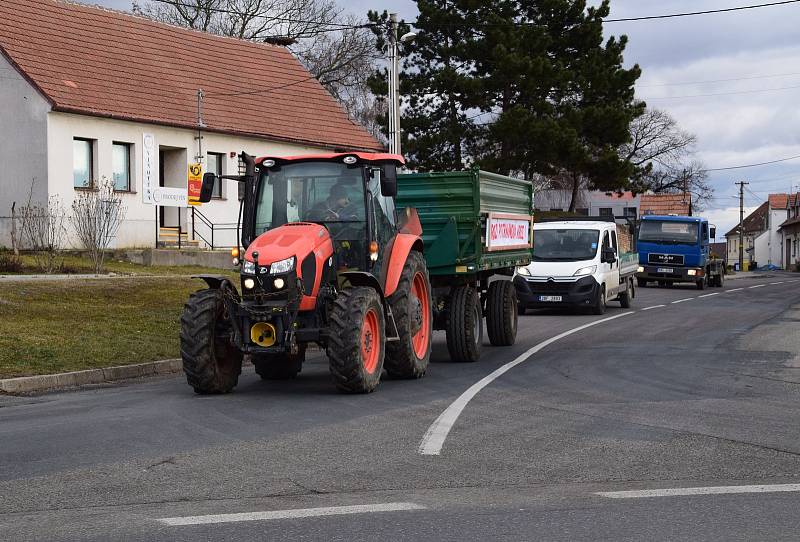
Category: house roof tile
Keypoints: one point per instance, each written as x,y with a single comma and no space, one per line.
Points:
665,204
778,201
95,61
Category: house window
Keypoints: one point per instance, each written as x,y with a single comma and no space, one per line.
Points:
121,166
82,162
215,167
606,211
630,212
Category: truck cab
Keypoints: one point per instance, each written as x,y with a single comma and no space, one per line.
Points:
677,249
575,263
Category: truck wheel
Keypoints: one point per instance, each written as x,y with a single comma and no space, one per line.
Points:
357,339
721,279
626,296
501,313
464,327
279,366
641,283
600,301
701,283
412,309
211,362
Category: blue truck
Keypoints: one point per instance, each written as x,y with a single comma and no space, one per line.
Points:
677,249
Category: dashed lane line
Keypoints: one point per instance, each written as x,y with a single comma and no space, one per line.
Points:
291,514
774,283
757,286
734,289
436,434
653,307
682,300
691,491
709,295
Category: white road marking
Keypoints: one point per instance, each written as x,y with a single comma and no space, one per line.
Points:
757,286
709,295
653,307
682,300
687,491
291,514
773,283
734,289
436,434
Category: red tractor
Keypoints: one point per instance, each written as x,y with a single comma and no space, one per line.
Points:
327,261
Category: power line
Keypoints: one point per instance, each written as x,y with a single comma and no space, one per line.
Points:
706,12
753,91
719,80
753,165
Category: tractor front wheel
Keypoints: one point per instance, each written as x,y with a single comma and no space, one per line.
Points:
356,344
412,310
279,366
211,362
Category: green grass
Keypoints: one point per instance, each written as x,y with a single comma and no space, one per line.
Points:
59,326
77,264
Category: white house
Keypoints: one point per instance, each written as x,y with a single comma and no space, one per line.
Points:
83,89
589,202
790,233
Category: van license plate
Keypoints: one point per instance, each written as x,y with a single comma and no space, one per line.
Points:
554,298
665,270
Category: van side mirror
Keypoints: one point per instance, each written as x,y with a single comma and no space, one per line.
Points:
713,232
389,180
207,188
608,255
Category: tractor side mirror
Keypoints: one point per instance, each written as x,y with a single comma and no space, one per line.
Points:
389,180
608,255
207,188
713,232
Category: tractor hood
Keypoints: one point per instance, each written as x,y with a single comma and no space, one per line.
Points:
297,239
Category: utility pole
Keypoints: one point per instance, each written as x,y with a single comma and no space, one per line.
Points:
394,83
741,224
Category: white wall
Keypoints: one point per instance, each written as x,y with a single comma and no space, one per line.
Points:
23,144
776,252
139,228
762,249
593,200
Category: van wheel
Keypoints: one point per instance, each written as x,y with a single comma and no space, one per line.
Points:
600,301
626,296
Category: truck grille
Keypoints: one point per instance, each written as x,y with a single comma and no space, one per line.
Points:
668,259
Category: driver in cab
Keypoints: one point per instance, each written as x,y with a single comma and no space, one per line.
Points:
332,207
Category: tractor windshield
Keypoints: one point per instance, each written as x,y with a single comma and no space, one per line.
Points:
324,192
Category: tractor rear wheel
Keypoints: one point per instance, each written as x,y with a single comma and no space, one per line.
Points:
357,340
412,310
464,326
279,366
211,362
501,313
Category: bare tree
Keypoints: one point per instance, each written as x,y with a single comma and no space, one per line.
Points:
96,217
663,155
42,230
333,47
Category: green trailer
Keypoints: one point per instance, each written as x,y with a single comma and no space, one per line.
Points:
476,225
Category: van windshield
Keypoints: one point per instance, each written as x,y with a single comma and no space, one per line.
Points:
669,232
565,245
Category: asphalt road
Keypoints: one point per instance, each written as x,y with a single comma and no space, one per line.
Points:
694,392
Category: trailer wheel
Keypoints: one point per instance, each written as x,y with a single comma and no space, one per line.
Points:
464,327
212,364
356,344
626,296
501,313
600,301
279,366
412,309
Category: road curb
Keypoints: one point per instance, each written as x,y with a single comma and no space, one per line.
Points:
30,384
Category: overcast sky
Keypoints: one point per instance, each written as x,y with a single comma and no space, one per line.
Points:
759,47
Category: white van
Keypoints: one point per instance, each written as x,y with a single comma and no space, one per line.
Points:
576,263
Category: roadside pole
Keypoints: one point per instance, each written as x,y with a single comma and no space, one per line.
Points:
741,224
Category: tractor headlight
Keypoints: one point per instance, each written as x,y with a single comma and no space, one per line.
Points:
249,284
588,270
282,266
278,283
249,268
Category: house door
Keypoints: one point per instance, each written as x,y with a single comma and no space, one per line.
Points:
787,262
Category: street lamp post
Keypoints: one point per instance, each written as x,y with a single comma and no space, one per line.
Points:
394,83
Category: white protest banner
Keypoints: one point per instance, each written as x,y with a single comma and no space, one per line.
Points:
149,167
508,231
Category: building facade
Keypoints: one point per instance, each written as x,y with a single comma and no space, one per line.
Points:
120,83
